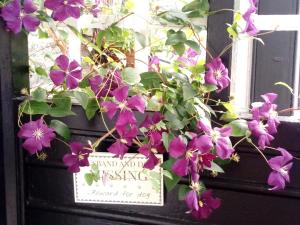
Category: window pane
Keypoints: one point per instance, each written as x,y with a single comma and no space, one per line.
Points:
274,62
278,7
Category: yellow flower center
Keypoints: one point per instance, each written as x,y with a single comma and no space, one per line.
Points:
123,141
154,150
218,73
189,154
38,133
283,171
80,157
122,105
201,204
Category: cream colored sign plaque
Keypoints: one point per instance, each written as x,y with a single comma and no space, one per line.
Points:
121,181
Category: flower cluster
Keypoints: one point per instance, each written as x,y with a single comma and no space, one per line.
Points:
250,26
17,16
169,109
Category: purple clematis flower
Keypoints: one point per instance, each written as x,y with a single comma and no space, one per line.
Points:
69,72
201,207
150,122
78,158
267,111
190,58
37,135
17,16
250,26
187,155
124,105
105,86
120,147
63,9
281,166
217,74
153,64
219,137
149,150
259,130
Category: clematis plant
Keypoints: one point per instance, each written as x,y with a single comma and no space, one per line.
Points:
168,109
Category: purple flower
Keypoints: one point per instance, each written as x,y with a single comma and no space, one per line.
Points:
68,71
219,137
15,16
153,64
105,86
124,105
250,26
37,135
259,130
63,9
187,155
120,147
150,122
201,206
190,58
281,166
149,150
267,112
78,158
217,74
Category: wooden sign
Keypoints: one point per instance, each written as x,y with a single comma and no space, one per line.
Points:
119,181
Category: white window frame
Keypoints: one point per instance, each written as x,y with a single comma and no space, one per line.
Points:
241,69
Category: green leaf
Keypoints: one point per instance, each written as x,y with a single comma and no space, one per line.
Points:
214,168
174,17
61,128
41,72
42,34
176,38
141,39
285,85
34,108
151,79
171,180
194,45
61,106
89,178
188,92
179,48
230,114
167,138
39,95
196,8
91,108
182,191
239,128
82,98
131,76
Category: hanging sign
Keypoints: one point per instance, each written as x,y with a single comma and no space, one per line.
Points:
111,180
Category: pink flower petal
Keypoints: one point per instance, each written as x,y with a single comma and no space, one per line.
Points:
63,62
57,76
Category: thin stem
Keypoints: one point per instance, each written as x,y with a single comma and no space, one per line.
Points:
240,141
62,141
128,162
260,152
123,18
199,41
288,110
221,10
109,133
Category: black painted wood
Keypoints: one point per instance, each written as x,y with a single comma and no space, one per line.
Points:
274,62
278,7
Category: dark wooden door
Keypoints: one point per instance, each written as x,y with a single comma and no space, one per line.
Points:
34,192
